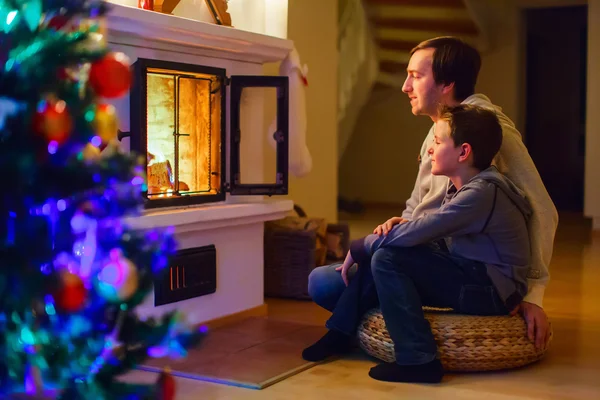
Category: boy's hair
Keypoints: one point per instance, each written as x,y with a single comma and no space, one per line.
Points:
476,126
454,61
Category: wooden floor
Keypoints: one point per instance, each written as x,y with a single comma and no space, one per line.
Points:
570,371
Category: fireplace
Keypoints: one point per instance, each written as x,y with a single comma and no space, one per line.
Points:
212,94
178,120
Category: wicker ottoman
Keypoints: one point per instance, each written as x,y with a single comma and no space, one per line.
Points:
465,342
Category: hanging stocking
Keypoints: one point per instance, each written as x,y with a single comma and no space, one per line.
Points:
300,158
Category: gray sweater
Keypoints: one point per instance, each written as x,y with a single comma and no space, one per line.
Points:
486,221
514,161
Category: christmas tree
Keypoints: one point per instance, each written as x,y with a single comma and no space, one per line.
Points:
71,270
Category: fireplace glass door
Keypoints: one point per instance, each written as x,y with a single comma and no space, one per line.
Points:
178,122
183,130
177,115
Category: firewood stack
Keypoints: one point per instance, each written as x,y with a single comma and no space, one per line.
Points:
160,177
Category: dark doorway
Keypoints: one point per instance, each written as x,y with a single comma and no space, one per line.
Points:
556,56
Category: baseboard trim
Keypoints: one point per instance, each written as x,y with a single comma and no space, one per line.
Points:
258,311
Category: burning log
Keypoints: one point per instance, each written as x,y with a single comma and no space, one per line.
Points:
160,176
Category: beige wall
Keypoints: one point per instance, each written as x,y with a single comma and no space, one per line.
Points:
380,162
500,77
312,25
592,153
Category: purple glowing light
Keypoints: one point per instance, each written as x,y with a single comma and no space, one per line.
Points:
53,147
61,205
46,209
96,141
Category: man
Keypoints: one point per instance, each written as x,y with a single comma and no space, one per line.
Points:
443,71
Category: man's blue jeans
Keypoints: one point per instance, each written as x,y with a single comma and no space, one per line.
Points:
401,281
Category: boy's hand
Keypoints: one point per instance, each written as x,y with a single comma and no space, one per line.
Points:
348,262
387,226
538,329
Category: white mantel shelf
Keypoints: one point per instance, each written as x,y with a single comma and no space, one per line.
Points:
137,27
212,216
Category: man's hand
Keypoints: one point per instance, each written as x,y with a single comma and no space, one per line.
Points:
348,262
387,226
538,329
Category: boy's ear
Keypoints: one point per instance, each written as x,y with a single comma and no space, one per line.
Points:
465,151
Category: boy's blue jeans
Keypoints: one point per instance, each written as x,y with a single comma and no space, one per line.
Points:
401,281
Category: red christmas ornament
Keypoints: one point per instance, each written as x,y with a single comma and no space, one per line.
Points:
57,22
62,74
52,120
165,385
110,77
71,293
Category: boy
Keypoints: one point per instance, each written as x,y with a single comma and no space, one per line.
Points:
472,254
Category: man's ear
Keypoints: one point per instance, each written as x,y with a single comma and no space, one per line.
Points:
465,151
447,88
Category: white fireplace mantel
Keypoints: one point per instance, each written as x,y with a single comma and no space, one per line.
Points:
136,27
213,216
235,226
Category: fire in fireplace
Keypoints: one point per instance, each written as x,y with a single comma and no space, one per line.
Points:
178,122
182,155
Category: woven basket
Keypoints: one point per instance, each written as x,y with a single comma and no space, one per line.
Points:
290,256
293,247
465,342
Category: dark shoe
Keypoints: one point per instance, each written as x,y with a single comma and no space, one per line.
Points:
432,372
331,344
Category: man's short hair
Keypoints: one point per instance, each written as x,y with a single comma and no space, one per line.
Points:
454,61
476,126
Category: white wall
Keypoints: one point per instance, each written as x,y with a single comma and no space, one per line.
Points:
268,17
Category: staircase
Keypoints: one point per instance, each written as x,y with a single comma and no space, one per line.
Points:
399,25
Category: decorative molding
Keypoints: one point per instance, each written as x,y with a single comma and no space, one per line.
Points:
219,10
165,6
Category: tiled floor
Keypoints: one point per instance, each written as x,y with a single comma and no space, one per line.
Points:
253,353
570,371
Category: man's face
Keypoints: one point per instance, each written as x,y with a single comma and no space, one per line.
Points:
444,154
424,94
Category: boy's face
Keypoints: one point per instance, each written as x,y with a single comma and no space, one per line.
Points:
424,94
445,156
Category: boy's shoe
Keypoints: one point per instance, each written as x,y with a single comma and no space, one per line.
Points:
432,372
331,344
